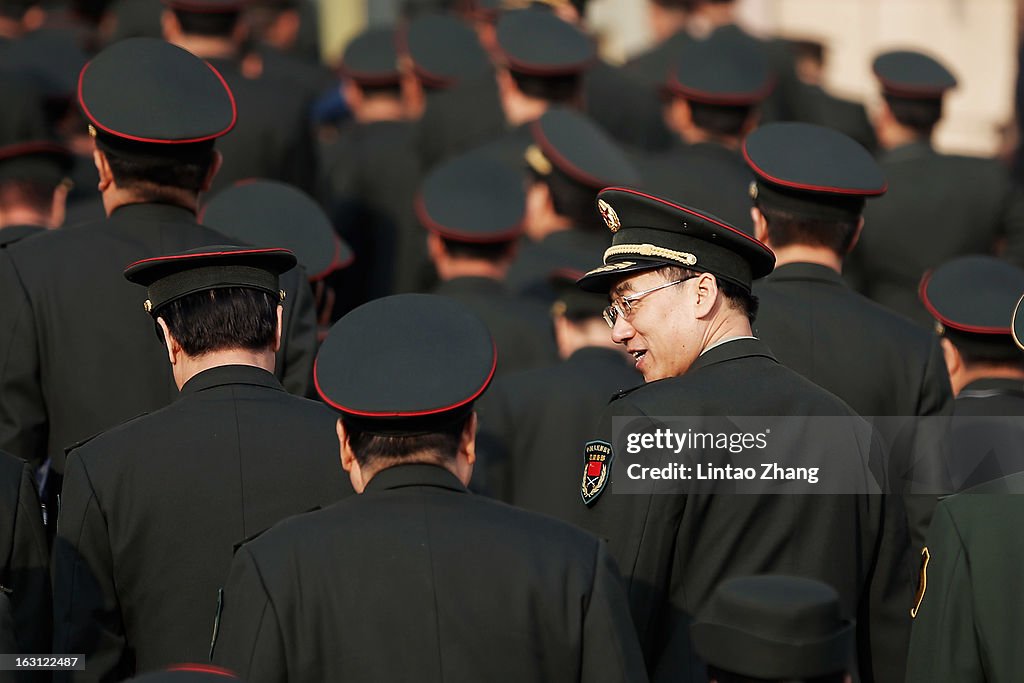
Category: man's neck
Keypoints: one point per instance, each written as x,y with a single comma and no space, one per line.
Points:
25,215
694,136
521,109
976,372
190,366
708,17
729,324
377,109
895,135
805,253
114,198
456,268
208,47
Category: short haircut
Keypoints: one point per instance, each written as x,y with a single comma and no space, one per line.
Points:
483,251
36,194
720,120
182,167
211,24
786,228
738,297
566,89
571,199
920,115
729,677
370,447
222,319
392,90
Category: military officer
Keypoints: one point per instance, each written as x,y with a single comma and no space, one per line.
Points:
473,208
267,213
371,175
74,369
33,188
569,161
679,281
536,420
774,629
967,613
401,559
24,558
232,456
273,136
938,206
714,90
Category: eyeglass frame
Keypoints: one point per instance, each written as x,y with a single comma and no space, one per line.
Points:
612,312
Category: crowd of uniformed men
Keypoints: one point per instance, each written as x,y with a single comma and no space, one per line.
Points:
311,374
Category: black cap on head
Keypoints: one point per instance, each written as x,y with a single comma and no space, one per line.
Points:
207,6
268,213
473,199
405,364
569,141
811,171
651,232
371,59
912,75
972,299
50,59
443,50
724,70
40,161
785,627
144,91
173,276
571,301
537,43
188,673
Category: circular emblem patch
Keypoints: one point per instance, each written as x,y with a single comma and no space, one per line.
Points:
611,219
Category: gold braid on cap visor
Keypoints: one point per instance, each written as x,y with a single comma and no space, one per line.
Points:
648,250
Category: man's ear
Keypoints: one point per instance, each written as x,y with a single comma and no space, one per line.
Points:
170,26
760,225
99,158
954,361
678,115
349,463
215,164
280,328
173,347
856,235
435,248
465,457
707,294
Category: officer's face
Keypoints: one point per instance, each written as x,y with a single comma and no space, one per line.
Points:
663,333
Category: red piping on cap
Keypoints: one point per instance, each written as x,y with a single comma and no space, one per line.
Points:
414,413
508,235
564,164
812,188
180,257
909,90
336,262
527,69
203,668
674,87
922,293
566,274
429,78
692,213
136,138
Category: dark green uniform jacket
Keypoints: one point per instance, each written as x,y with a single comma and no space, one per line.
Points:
153,509
535,423
24,557
521,328
969,620
14,233
674,549
78,353
418,580
938,207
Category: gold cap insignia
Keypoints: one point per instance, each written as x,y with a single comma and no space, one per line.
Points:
611,219
922,582
537,161
92,131
753,189
619,265
148,305
282,293
940,329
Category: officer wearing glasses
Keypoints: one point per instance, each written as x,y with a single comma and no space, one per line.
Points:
679,282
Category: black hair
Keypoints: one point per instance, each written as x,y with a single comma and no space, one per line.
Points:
740,298
140,165
920,115
728,677
222,319
720,120
984,349
370,446
571,199
211,24
36,194
484,251
786,228
565,89
369,91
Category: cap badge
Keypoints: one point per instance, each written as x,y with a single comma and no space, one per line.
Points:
753,189
922,582
611,219
148,305
597,462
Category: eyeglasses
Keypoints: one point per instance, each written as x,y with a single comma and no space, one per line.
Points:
624,306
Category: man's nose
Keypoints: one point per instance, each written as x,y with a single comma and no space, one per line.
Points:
622,331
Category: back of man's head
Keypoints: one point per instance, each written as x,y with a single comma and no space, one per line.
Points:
153,171
222,319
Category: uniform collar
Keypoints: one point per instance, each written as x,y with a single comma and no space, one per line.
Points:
810,272
733,349
231,374
992,386
414,474
152,211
